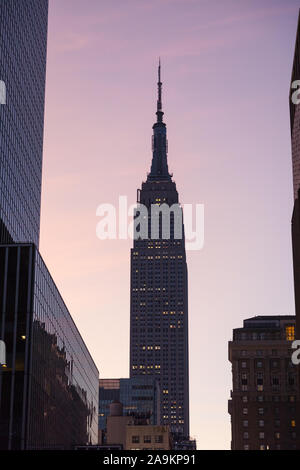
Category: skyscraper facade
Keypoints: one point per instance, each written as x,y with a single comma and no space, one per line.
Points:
23,46
159,289
49,384
295,145
295,115
264,404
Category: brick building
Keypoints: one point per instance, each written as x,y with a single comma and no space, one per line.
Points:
264,404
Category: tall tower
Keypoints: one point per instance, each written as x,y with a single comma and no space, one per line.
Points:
159,291
295,144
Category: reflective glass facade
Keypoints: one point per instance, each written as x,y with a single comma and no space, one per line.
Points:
138,395
49,387
23,43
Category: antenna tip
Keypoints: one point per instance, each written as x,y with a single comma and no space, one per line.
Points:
159,69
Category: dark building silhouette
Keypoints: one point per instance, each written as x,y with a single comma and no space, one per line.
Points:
23,46
49,385
159,290
295,145
264,402
295,115
183,444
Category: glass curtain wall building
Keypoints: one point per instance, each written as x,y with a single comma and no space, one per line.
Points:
49,385
23,47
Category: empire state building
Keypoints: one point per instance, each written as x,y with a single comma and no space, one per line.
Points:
159,290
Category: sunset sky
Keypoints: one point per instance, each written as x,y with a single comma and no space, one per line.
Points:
226,67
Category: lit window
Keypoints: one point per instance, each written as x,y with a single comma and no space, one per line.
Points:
290,333
245,411
293,423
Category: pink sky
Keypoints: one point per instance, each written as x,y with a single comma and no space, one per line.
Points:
226,67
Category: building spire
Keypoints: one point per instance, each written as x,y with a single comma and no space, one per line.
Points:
159,167
159,111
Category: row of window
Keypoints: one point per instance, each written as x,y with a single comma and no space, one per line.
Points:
261,435
262,447
261,423
259,352
261,398
274,364
147,439
289,334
